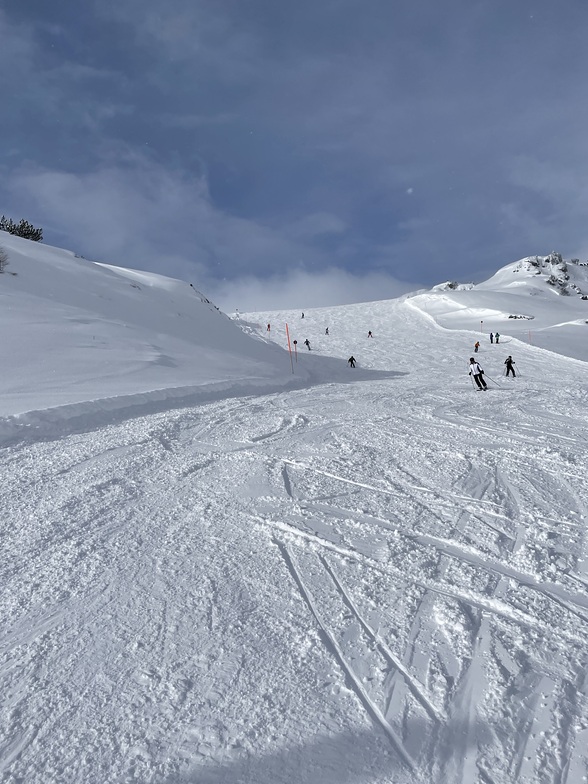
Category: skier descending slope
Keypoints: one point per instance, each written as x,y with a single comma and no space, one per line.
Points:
478,374
509,362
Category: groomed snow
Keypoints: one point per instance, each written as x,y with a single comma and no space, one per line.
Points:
215,569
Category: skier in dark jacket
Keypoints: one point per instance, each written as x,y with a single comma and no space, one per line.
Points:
477,373
509,362
351,361
307,343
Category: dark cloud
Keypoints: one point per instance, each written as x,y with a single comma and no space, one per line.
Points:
239,139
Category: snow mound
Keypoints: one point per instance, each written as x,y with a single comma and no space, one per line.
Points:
79,331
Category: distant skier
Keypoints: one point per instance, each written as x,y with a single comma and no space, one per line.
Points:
351,361
509,362
370,334
302,316
327,331
491,338
497,338
307,343
476,346
477,373
269,327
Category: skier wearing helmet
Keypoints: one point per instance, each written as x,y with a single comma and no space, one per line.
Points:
478,374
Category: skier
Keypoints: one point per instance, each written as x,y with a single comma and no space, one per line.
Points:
268,327
327,331
497,338
491,338
351,361
370,334
302,316
509,362
478,374
476,346
307,343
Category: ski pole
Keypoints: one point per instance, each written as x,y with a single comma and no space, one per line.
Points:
472,379
492,380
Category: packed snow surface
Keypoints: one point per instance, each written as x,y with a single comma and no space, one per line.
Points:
222,564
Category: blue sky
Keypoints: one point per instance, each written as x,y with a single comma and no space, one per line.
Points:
298,154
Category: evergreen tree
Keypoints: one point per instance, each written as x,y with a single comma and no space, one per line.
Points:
21,229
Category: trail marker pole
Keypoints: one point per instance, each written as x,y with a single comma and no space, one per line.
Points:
290,348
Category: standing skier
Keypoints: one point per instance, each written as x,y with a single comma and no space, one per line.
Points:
269,327
509,362
491,338
351,361
476,346
370,334
477,373
307,343
497,338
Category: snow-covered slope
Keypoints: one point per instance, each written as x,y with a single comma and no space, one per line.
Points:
103,337
76,330
375,582
541,299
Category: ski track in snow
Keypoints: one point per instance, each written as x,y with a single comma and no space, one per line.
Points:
376,582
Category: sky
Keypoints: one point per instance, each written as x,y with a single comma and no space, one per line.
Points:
300,154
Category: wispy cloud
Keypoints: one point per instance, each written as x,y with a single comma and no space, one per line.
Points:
135,211
306,289
139,214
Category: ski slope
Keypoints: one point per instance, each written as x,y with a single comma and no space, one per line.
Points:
333,575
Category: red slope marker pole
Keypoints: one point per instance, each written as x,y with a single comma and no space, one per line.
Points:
290,348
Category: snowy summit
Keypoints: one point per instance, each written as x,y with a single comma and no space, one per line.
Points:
226,562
